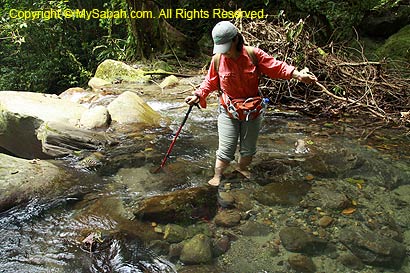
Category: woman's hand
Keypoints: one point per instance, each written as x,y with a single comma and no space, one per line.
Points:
192,99
305,77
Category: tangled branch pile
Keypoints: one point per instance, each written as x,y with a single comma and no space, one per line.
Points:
346,84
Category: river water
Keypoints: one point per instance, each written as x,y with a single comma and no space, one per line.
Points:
47,236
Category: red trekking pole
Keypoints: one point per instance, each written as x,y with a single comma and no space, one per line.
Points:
175,138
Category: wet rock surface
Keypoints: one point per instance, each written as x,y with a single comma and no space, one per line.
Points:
374,249
22,180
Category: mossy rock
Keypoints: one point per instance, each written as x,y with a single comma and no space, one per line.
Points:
397,47
111,70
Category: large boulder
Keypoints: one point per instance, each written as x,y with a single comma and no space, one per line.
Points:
22,113
131,108
111,71
22,180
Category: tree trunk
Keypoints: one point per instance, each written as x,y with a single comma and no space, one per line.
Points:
156,35
146,31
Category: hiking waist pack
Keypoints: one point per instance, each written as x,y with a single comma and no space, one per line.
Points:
242,108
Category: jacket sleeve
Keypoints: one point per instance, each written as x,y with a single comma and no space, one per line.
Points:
210,83
271,67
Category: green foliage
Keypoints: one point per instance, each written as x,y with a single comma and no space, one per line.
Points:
337,19
52,54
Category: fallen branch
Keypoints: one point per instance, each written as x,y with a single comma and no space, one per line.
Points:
168,74
324,89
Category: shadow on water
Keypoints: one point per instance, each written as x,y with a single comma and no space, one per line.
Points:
47,235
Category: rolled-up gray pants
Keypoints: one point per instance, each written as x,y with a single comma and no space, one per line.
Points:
231,130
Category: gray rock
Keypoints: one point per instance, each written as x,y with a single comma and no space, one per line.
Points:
97,84
174,233
22,113
58,139
255,229
327,196
374,249
301,263
296,240
197,250
351,261
220,245
22,180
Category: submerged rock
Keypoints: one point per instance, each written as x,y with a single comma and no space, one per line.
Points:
178,206
227,218
301,263
374,249
197,250
296,240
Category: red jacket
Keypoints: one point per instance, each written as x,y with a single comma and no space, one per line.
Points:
239,77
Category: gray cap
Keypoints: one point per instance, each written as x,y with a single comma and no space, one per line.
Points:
222,34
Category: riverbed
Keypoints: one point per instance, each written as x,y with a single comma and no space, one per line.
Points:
297,157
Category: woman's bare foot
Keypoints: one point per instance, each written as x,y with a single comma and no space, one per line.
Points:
215,181
246,173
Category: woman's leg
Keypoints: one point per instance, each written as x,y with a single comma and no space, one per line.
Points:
228,132
249,132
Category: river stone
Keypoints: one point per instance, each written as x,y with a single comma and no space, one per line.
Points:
96,117
251,228
331,163
178,206
97,84
402,193
325,221
326,196
296,240
22,113
351,261
286,193
22,180
169,82
197,250
227,218
131,108
243,200
374,249
174,233
220,245
301,263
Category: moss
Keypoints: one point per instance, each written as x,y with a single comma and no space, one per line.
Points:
111,70
397,47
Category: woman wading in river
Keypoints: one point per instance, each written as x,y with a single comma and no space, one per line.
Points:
234,73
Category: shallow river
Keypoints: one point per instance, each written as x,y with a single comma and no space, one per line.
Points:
46,236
